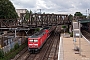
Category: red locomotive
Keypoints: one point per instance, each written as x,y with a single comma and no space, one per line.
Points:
36,41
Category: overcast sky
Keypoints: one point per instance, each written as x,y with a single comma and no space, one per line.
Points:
53,6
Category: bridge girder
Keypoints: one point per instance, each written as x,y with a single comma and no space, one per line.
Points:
35,20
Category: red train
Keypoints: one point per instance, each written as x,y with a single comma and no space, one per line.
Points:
36,41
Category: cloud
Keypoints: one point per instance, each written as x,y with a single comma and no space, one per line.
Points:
40,4
24,3
84,4
56,6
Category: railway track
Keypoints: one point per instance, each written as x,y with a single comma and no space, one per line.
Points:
44,49
20,54
86,34
49,51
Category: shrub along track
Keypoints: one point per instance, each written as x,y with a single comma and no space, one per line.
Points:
20,54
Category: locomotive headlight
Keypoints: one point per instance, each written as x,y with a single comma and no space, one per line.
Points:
31,40
35,40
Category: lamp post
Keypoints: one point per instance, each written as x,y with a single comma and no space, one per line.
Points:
74,39
88,12
79,39
77,33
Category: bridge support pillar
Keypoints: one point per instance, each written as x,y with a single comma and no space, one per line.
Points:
15,33
68,28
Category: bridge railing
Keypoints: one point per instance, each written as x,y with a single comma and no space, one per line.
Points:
8,22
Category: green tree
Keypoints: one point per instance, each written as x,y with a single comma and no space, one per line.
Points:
27,16
1,53
70,17
43,12
31,12
78,14
16,46
37,30
7,10
64,27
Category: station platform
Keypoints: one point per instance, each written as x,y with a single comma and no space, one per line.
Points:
67,49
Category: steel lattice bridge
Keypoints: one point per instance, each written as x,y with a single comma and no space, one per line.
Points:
35,20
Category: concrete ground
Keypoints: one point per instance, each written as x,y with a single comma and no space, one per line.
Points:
67,49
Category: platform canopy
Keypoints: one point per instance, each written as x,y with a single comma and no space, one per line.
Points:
84,21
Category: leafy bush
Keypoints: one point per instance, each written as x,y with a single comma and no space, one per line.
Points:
71,35
63,26
16,46
1,53
11,50
37,29
12,54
